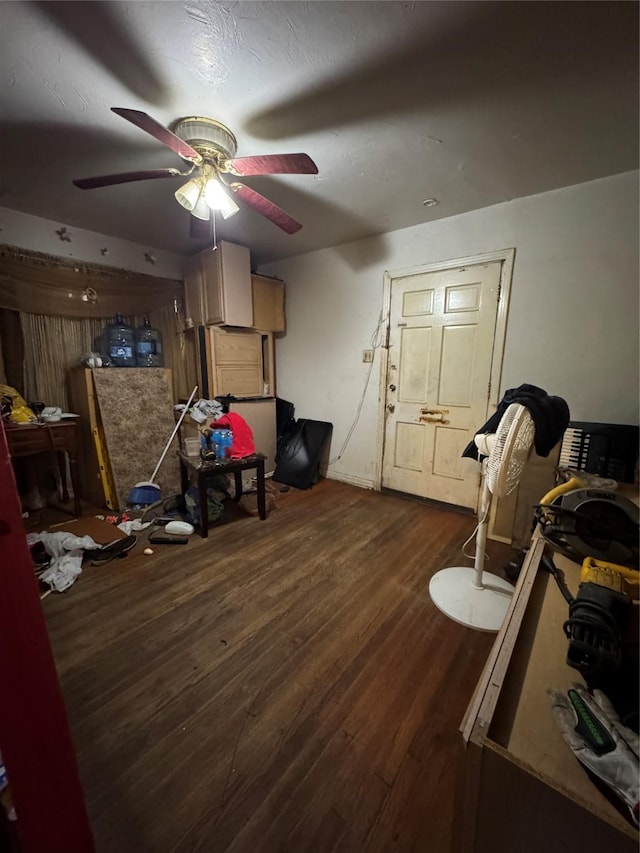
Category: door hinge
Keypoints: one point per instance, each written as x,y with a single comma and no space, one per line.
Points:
499,290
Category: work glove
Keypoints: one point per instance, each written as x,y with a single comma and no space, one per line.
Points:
591,727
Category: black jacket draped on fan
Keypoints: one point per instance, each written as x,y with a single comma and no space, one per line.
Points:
550,417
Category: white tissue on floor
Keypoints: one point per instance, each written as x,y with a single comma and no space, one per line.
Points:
133,526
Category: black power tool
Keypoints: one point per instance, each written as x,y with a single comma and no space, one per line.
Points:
601,646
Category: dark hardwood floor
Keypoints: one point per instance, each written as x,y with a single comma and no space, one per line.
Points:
285,685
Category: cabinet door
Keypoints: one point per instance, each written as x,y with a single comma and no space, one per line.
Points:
193,292
268,303
212,286
235,265
226,273
237,363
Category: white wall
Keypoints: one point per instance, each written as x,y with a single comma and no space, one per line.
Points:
39,235
573,318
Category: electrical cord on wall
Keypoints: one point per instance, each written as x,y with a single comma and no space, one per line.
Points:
375,342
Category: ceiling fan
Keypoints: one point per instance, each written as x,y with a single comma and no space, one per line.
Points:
210,147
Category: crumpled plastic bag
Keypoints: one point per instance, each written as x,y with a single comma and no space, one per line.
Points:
55,544
20,412
66,552
202,410
63,571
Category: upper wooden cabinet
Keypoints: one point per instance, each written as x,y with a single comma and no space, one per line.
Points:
218,287
268,303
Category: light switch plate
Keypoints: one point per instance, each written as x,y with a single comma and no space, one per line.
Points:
367,355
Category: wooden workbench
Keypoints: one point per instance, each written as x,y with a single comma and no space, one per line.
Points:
521,788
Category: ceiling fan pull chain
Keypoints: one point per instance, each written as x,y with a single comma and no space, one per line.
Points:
215,238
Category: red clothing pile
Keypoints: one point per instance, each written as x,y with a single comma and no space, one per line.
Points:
242,435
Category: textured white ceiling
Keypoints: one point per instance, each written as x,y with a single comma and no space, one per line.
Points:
470,103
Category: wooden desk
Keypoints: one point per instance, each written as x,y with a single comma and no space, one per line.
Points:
205,470
62,437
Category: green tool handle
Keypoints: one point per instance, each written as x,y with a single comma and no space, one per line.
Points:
589,726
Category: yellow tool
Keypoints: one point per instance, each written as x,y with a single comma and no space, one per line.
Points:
620,578
108,486
577,480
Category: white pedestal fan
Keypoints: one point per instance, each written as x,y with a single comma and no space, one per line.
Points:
466,594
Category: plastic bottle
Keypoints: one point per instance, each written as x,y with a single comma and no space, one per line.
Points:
149,346
120,343
222,440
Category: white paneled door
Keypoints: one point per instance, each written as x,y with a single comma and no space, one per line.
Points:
441,337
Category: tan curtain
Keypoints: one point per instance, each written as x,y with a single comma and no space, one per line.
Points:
179,354
51,346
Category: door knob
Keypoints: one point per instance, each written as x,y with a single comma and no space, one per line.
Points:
391,408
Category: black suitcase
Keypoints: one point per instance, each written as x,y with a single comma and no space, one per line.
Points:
300,453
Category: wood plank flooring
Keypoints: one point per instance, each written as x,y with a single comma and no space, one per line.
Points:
285,685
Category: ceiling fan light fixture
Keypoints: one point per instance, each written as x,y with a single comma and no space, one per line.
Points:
219,199
202,209
187,195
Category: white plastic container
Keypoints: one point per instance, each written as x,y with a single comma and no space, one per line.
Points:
192,445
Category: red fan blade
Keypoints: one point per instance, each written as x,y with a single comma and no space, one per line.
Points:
160,132
266,208
125,178
273,164
200,229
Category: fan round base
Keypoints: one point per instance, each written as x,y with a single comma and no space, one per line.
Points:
453,592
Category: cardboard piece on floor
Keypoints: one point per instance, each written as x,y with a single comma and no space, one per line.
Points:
100,531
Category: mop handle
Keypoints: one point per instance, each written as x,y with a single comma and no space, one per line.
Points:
168,444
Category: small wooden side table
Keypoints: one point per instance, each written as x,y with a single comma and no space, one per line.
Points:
206,470
62,436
